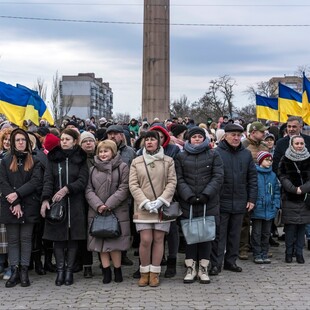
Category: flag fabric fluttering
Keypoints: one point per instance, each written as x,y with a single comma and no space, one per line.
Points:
267,108
289,102
21,103
306,101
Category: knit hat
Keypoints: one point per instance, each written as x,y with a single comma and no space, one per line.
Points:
73,123
196,130
177,129
43,131
86,135
233,128
50,141
262,155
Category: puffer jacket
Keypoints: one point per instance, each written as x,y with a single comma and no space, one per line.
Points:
268,200
240,178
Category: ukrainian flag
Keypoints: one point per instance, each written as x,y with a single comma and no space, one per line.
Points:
267,108
305,101
289,101
20,103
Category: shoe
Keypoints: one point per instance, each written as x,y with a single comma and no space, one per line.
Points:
288,258
14,278
39,268
191,273
107,275
137,274
266,259
126,261
144,280
258,260
24,278
118,277
273,243
154,275
203,271
232,267
300,259
243,255
7,274
171,268
88,273
60,279
214,271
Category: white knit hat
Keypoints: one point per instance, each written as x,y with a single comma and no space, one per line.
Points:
86,135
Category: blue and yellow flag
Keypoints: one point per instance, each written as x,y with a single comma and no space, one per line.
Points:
21,103
289,102
267,108
305,101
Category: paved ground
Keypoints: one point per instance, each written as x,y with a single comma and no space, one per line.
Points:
275,286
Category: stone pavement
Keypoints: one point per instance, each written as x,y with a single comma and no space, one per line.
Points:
275,286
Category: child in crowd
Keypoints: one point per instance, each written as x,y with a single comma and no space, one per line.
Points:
268,201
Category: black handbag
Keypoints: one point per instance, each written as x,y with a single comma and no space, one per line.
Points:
56,213
105,225
307,195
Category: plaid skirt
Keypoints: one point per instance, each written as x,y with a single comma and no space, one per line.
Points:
3,240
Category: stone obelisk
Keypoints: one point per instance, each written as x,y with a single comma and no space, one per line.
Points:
156,62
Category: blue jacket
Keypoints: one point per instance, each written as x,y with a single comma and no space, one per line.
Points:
268,200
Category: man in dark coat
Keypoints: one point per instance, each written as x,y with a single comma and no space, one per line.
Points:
238,195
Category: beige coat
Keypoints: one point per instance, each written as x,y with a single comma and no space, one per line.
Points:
108,184
163,176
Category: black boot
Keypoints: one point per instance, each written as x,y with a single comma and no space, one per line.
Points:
171,268
118,277
107,275
15,277
24,278
136,274
38,264
48,265
60,263
71,258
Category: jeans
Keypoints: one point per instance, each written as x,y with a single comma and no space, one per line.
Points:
308,231
294,234
19,243
260,236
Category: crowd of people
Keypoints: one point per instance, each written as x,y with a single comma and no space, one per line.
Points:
242,174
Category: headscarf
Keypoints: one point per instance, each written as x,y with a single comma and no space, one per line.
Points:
294,155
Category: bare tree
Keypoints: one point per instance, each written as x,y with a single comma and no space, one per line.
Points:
180,107
263,88
302,69
247,113
122,118
41,88
66,105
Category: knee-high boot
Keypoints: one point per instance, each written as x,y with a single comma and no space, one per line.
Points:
71,258
60,265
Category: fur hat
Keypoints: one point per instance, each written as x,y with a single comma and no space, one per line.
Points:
196,130
262,155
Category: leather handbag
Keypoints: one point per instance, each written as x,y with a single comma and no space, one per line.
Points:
278,219
198,229
56,213
172,212
105,226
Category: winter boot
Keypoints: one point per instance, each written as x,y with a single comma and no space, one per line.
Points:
171,268
118,277
60,264
24,278
71,258
154,275
107,275
191,273
203,271
15,277
145,276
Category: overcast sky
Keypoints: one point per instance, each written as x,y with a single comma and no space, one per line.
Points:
38,48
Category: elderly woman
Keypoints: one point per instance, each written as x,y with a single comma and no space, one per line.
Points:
200,174
152,182
294,175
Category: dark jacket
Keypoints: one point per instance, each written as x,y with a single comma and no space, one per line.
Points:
295,210
240,178
75,219
199,174
27,185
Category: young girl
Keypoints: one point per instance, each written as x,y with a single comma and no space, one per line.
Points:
108,190
268,201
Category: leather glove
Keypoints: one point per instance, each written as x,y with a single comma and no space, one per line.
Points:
60,194
203,198
194,200
148,206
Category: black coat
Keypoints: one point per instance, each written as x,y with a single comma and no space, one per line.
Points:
295,210
240,178
199,174
75,220
27,185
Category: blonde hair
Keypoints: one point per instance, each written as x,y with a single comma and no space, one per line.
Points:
109,144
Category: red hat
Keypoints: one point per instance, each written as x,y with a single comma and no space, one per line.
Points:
51,141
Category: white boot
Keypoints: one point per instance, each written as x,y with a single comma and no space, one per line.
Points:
191,273
203,271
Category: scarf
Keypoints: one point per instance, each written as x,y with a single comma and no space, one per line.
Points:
150,158
197,148
293,155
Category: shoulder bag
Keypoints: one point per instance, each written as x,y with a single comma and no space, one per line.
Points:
198,229
307,195
166,213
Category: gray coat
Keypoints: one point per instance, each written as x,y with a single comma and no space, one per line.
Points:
108,184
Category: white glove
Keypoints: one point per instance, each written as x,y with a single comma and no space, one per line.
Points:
157,204
148,206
